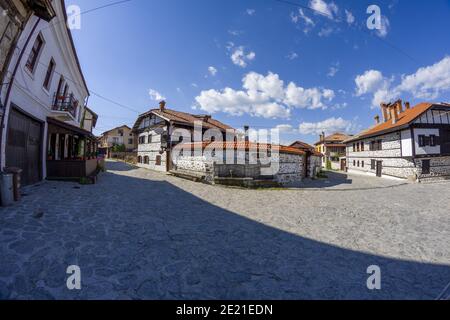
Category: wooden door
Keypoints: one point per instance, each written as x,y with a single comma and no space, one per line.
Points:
343,164
24,145
379,168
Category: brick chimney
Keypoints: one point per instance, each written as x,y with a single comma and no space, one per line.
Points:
246,130
162,105
399,106
384,111
407,105
394,113
322,137
377,119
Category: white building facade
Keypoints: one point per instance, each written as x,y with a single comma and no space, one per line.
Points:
46,83
410,144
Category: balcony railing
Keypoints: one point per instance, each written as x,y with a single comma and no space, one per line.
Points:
66,104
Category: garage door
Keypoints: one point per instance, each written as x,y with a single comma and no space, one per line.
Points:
23,147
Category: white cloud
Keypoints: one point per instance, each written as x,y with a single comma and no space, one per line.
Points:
370,81
155,95
240,57
235,32
349,17
193,84
334,69
212,71
385,26
292,56
328,9
251,12
264,96
302,17
325,32
328,126
426,83
285,128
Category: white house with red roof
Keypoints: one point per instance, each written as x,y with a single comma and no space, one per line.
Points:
409,143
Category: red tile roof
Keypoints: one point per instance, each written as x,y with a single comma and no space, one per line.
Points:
242,145
186,118
335,137
404,119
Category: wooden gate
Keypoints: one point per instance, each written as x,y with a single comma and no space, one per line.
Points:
343,164
24,145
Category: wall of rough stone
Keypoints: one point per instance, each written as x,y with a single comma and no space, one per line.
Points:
315,165
151,150
289,170
439,168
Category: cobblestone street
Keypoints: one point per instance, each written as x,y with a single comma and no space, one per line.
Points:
138,234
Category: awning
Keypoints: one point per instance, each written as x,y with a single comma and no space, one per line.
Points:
64,127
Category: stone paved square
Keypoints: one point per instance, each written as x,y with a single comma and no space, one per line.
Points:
139,234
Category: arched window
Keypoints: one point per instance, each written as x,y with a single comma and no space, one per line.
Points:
146,160
139,159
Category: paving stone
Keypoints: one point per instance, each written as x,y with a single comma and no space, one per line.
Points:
139,234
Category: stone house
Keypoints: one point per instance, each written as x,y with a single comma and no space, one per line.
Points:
119,136
332,148
245,163
409,143
44,101
158,131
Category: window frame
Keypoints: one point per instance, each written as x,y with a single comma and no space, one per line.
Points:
32,61
428,166
49,75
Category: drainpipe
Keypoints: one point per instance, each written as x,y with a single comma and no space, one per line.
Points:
10,85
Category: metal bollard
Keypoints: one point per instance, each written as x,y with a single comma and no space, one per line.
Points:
6,189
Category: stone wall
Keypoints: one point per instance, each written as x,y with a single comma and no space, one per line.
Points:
289,170
315,165
152,151
439,168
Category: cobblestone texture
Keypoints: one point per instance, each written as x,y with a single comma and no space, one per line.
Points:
138,234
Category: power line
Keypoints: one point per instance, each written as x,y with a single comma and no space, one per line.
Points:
392,46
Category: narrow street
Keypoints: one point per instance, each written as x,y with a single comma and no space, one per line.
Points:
138,234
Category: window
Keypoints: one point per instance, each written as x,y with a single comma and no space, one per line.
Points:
139,159
354,163
362,146
49,75
357,147
34,54
372,164
358,163
425,166
354,147
422,141
158,160
130,141
141,140
379,145
362,164
433,140
121,133
146,160
150,137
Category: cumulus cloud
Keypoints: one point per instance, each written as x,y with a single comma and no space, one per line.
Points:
264,96
212,71
240,57
325,32
426,83
327,9
328,126
285,128
300,17
155,95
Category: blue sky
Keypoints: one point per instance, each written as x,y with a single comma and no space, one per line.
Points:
299,70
